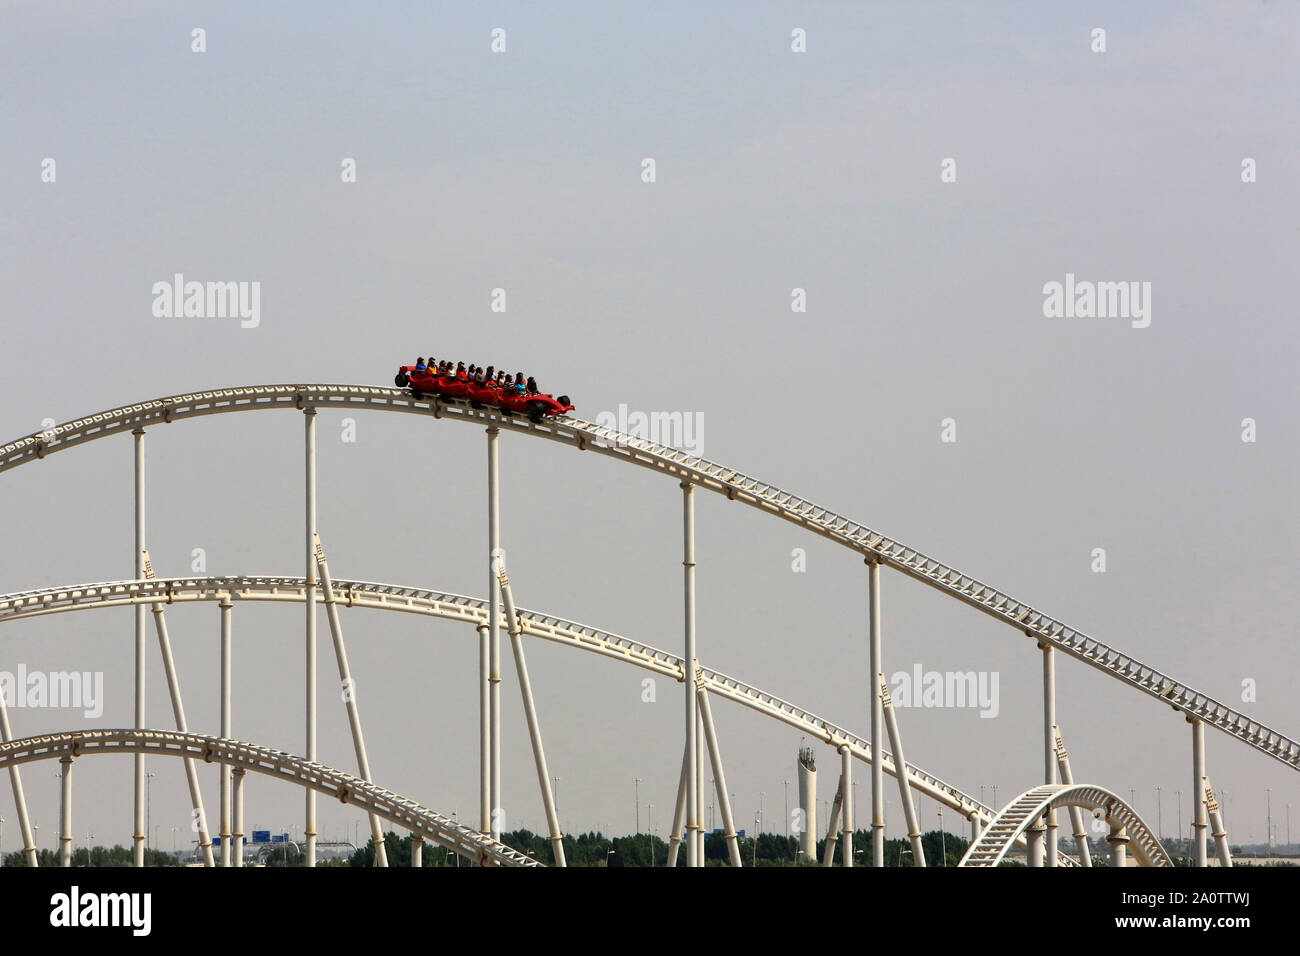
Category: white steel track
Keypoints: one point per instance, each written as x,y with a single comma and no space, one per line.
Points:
472,611
681,466
344,787
1011,823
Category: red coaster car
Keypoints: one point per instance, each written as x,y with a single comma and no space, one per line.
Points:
449,388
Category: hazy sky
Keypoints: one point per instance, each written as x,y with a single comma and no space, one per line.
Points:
775,171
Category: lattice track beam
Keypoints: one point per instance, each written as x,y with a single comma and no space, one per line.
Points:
346,788
456,607
684,467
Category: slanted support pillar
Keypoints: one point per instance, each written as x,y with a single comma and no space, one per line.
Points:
900,771
719,778
1076,813
178,712
349,694
679,814
16,783
530,713
1216,821
833,826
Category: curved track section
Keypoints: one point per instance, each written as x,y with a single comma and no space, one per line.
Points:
473,611
587,436
1012,821
344,787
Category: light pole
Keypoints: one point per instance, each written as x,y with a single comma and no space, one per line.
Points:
2,841
1160,819
995,799
760,811
943,840
1268,795
174,829
786,785
650,825
753,859
148,803
1179,794
636,790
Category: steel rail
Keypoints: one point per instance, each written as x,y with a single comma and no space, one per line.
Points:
1020,813
706,474
346,788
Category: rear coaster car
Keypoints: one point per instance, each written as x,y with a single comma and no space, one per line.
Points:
448,387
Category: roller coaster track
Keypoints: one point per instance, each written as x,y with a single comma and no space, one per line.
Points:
1017,816
473,611
586,436
344,787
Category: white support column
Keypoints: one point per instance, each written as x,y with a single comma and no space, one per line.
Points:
349,690
16,784
1118,841
65,813
688,658
484,732
1076,814
719,778
178,712
877,722
237,837
1035,836
138,836
1216,821
417,849
679,814
900,771
530,714
846,802
309,824
1049,744
702,831
494,622
833,826
1198,790
226,729
974,828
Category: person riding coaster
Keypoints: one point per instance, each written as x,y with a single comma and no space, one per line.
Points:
519,396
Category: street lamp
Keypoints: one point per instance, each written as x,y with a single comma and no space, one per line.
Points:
1268,795
943,841
636,791
148,803
650,825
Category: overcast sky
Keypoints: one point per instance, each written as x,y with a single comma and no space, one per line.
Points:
774,171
